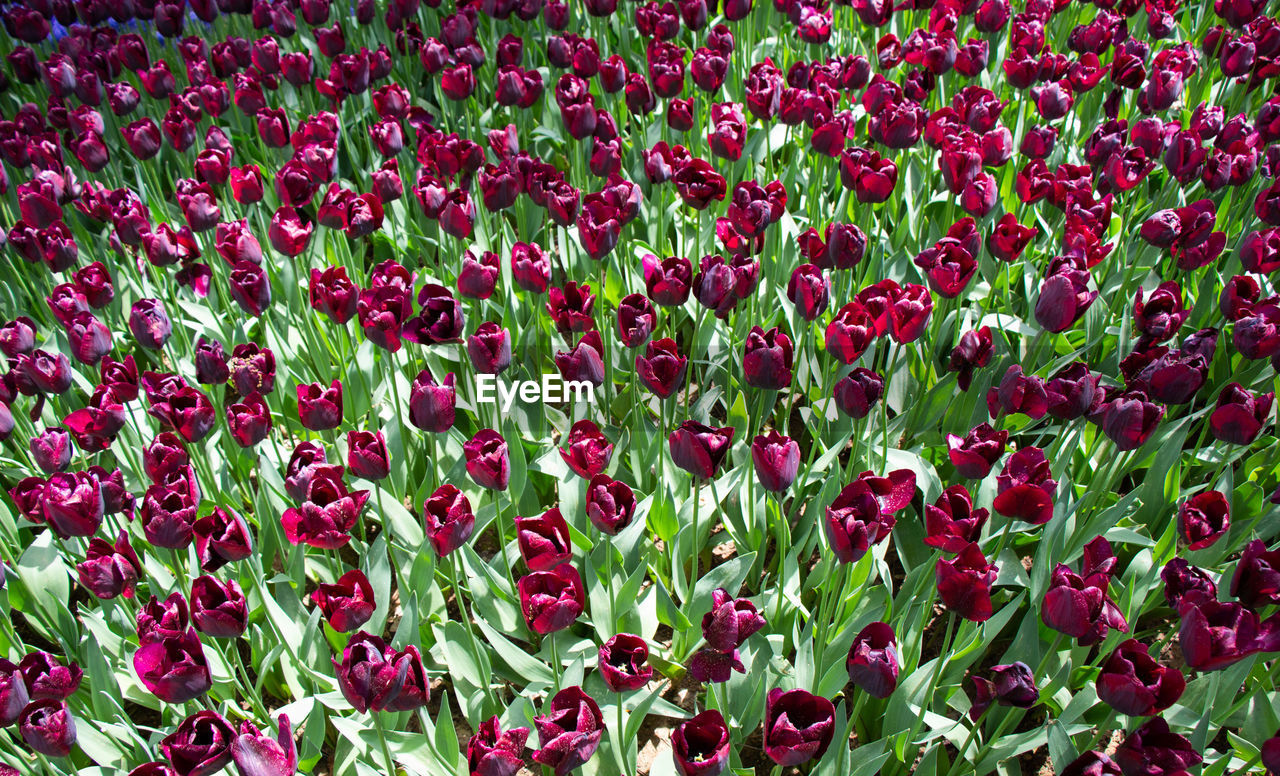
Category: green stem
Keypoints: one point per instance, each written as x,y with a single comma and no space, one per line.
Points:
382,739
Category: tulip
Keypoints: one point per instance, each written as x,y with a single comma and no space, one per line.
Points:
1018,393
798,726
1024,489
855,521
623,663
51,450
964,584
971,352
730,621
776,459
701,744
1064,294
544,541
48,728
327,516
766,359
431,404
1204,518
449,519
530,267
873,660
110,570
333,294
856,392
1012,685
252,369
476,279
488,463
1160,317
347,603
1240,415
610,504
441,320
173,667
249,421
1214,634
219,609
587,451
319,408
256,754
373,676
13,693
367,455
699,449
493,751
636,319
201,744
222,537
569,731
1155,748
1092,764
952,522
45,678
1256,582
662,369
1133,683
667,282
552,600
1078,604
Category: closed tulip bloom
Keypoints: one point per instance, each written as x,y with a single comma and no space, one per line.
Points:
766,359
530,267
1204,518
51,450
200,745
256,754
699,449
249,420
701,745
449,519
73,504
13,693
1240,415
347,603
623,661
250,288
488,462
662,369
964,584
952,522
110,570
1073,392
544,540
1010,685
798,726
440,321
1129,419
1025,489
587,451
332,293
48,728
636,320
569,731
1079,605
1133,683
668,281
432,404
776,459
809,290
873,660
1064,294
173,667
320,408
493,751
367,455
149,323
1154,748
552,600
1215,634
855,521
858,391
477,278
219,609
1256,581
1018,393
222,537
610,504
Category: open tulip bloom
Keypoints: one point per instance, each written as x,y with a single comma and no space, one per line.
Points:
797,386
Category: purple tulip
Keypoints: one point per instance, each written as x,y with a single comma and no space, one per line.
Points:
256,754
701,744
201,744
623,663
798,726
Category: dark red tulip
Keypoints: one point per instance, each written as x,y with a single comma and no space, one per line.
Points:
320,408
249,420
873,660
222,537
256,754
72,504
850,332
1154,748
855,521
624,663
13,693
1010,685
964,584
1078,604
610,504
1256,581
110,570
972,351
1025,489
587,451
488,463
544,540
856,392
569,731
431,404
449,519
1133,683
218,609
1214,634
699,449
328,514
493,751
952,522
798,726
1064,294
347,603
662,369
776,459
667,282
730,622
1204,518
766,360
490,349
1073,392
1184,583
374,676
172,667
1240,415
48,728
477,278
367,455
1128,419
332,293
636,320
45,678
552,600
701,745
1018,393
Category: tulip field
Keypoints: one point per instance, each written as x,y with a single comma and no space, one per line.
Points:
639,388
